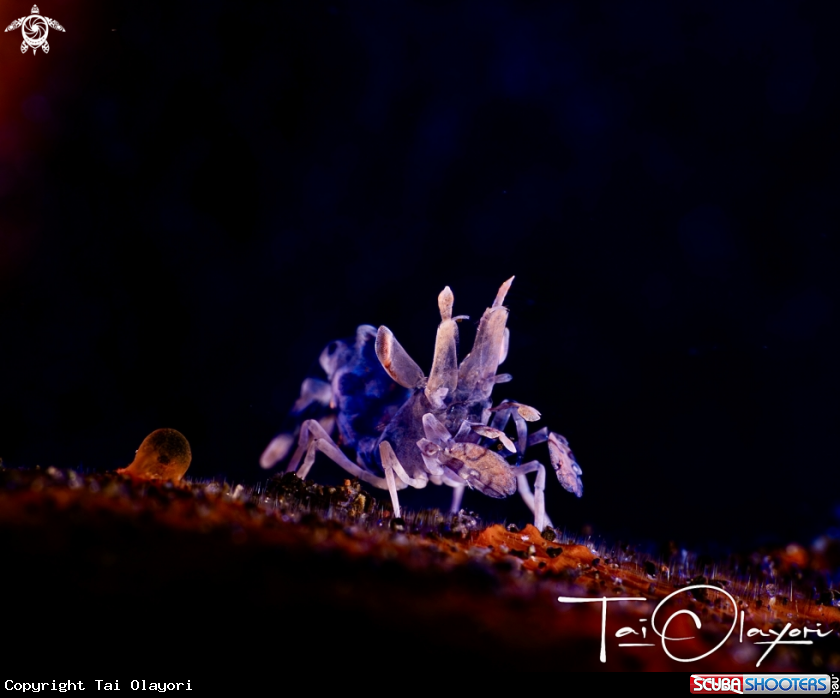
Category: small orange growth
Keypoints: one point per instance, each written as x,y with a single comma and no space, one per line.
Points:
543,554
164,455
794,555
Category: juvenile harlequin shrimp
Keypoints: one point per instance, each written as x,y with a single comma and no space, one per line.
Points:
409,429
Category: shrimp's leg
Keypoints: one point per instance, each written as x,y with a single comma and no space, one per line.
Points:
534,500
392,467
457,497
313,438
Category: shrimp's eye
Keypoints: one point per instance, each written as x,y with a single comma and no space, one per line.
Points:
164,455
332,347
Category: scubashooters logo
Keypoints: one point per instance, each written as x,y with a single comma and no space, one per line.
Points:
659,625
778,684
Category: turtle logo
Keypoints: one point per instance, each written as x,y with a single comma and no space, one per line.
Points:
35,30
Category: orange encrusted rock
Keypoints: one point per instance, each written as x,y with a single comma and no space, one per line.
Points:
539,553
